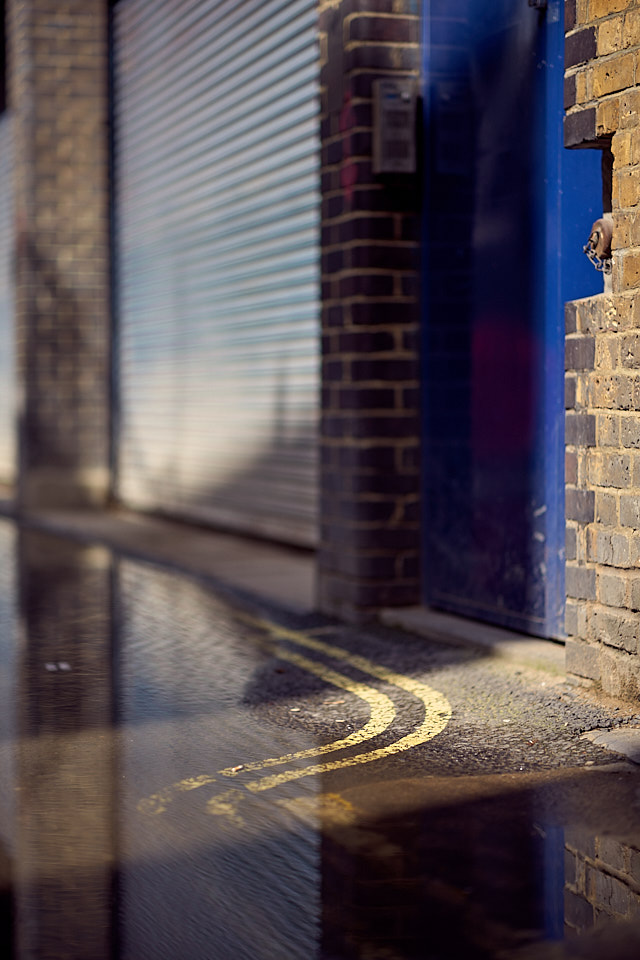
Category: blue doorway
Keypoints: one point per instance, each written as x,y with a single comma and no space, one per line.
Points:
507,212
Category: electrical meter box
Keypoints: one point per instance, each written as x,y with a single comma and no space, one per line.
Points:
394,126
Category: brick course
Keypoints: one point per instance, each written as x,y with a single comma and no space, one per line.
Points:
603,364
370,486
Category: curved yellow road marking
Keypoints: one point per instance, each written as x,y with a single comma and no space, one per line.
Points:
157,802
383,714
437,713
426,731
226,805
433,700
437,709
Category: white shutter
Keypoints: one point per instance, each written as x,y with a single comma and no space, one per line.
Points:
217,250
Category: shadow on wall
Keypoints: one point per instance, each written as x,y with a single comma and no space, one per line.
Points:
220,451
65,363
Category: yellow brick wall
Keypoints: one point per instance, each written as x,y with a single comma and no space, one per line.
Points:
603,381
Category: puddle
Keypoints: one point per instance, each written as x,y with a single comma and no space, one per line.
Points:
487,867
137,714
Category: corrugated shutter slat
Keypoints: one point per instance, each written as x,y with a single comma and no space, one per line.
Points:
217,173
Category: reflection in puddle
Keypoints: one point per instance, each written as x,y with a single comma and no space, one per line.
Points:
602,880
450,875
120,684
65,751
8,655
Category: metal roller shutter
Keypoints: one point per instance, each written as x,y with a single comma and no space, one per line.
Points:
7,351
217,219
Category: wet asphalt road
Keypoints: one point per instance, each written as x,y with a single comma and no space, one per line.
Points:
192,777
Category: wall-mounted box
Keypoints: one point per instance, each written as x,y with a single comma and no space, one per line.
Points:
394,126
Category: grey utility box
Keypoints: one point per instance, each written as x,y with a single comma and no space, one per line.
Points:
394,126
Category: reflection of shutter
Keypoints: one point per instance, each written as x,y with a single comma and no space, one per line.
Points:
7,352
217,160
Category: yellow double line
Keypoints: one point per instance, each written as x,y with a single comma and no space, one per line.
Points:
437,713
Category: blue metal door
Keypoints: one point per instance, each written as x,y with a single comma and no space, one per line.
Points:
507,212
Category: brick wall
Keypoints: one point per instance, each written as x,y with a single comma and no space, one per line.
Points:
369,551
58,99
603,361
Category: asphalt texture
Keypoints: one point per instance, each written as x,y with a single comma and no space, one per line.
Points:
506,718
190,772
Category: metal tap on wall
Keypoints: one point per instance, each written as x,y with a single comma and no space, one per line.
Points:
598,246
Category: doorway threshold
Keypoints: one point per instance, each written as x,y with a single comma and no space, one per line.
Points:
496,642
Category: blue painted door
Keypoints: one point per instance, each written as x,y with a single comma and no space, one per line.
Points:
507,212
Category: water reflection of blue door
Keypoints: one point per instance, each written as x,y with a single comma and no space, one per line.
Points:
507,212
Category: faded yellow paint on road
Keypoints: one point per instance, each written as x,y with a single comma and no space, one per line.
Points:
433,700
226,805
436,706
437,713
426,731
383,713
157,802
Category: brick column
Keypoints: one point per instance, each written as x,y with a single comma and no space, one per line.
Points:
58,99
370,486
603,361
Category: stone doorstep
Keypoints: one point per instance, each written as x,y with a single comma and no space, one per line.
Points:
623,742
496,642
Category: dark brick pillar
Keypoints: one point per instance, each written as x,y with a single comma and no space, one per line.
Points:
370,487
58,99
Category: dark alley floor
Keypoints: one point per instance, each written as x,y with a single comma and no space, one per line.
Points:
198,769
